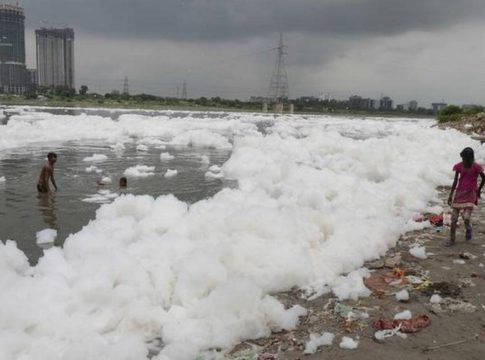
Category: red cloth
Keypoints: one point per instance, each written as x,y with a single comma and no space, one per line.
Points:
407,326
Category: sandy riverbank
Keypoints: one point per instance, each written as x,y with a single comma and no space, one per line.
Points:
457,327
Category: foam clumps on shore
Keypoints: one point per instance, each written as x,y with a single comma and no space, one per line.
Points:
418,252
311,206
317,340
348,343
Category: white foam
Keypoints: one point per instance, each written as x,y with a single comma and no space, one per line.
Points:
140,171
96,158
215,169
46,236
93,168
348,343
142,148
204,159
106,180
316,340
211,175
171,173
104,196
165,156
418,252
118,147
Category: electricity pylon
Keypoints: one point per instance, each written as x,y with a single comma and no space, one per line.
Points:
278,88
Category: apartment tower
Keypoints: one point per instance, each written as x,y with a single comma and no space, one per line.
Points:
55,57
13,74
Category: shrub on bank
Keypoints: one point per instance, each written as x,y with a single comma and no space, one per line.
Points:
450,113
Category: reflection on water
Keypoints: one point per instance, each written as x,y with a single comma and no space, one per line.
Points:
48,210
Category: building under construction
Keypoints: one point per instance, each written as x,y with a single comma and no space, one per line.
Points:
13,73
55,57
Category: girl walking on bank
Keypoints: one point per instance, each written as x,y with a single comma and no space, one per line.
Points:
467,193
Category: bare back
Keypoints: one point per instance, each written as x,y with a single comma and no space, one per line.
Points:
45,175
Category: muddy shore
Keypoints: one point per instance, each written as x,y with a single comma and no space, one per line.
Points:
457,328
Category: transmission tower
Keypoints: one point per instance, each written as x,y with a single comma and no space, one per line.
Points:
278,87
126,86
184,90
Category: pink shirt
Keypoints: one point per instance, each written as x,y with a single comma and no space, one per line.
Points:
468,177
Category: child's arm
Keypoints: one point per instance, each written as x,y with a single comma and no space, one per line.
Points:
453,187
52,179
482,182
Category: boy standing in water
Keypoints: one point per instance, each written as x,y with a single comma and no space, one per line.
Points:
47,174
467,192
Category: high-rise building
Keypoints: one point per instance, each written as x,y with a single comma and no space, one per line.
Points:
385,103
55,57
13,74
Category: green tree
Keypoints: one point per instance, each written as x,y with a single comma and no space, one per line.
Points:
83,90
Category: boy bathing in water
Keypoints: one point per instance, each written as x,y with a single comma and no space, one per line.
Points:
467,193
47,174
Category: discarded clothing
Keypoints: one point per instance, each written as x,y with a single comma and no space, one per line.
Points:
412,325
378,281
436,220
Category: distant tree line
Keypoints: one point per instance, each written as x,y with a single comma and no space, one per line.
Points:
82,97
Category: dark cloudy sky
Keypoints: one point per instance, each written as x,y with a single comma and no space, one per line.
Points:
429,50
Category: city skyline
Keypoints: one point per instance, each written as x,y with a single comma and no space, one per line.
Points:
429,52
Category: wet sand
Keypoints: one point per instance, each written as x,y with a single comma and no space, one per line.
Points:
454,334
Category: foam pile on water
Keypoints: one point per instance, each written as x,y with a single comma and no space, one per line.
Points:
140,171
96,158
313,203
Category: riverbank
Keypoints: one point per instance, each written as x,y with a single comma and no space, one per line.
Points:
472,125
187,105
457,328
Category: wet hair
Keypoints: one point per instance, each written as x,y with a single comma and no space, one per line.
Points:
468,156
51,155
123,181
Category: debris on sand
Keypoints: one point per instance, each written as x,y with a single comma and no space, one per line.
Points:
445,289
453,305
378,281
412,325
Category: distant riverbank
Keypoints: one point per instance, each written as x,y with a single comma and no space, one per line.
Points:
140,102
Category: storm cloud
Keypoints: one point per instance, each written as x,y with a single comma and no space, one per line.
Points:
429,50
223,20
